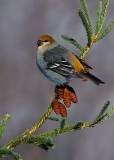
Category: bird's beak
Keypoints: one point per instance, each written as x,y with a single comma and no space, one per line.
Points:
39,43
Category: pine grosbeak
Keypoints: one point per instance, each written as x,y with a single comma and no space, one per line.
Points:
58,64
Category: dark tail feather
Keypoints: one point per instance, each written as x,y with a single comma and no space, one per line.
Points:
96,80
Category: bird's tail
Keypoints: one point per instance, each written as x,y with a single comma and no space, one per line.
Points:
94,79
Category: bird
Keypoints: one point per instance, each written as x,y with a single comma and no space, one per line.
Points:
59,65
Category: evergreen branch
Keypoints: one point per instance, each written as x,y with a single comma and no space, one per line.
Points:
65,129
53,118
63,123
81,125
33,139
42,141
85,23
98,20
42,120
72,41
106,31
102,110
84,53
34,128
4,151
50,144
106,4
101,118
78,125
3,124
99,24
84,5
106,116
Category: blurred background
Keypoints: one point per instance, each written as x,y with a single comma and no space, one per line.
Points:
25,93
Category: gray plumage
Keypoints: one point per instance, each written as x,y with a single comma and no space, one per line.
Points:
55,67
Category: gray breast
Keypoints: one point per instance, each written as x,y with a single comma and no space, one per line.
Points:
52,56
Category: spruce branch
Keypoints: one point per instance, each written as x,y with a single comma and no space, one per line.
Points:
99,15
85,23
84,5
44,140
3,124
81,125
63,123
72,41
105,32
33,129
32,139
42,120
54,118
65,129
102,111
106,116
106,4
4,151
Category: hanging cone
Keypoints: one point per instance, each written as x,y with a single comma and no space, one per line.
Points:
72,94
67,98
55,106
63,111
73,97
59,91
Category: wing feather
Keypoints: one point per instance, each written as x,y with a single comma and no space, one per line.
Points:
62,67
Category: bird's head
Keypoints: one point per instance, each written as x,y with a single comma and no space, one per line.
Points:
45,42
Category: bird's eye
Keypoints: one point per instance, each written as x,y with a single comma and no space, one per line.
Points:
46,41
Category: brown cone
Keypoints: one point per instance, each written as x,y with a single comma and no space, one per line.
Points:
63,111
60,92
55,106
67,99
73,97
